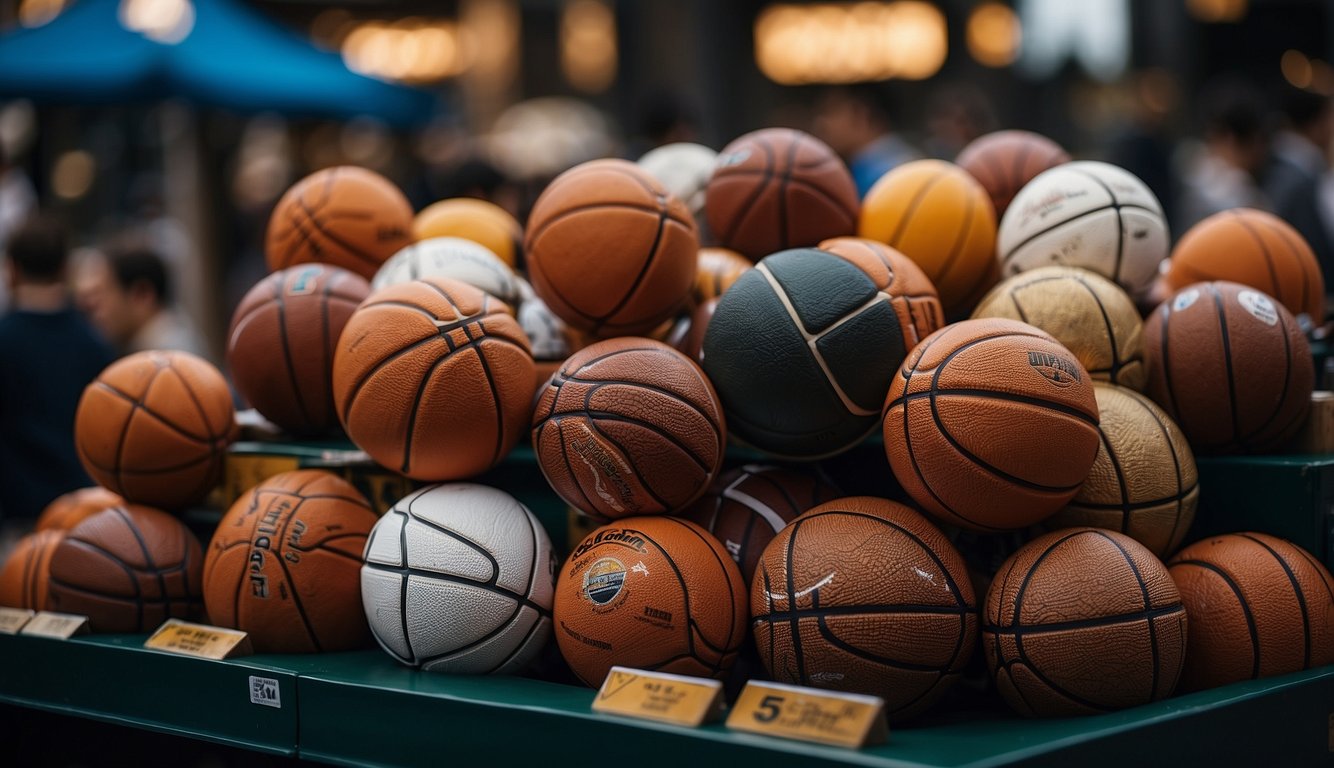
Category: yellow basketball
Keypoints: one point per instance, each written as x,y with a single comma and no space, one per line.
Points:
942,219
475,220
718,269
1086,312
1144,481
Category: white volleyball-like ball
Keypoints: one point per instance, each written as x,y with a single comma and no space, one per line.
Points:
548,335
683,168
453,257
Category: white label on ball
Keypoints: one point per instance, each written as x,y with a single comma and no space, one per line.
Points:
1259,305
733,158
264,692
1185,299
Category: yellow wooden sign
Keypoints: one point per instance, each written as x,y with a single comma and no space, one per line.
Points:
61,626
808,714
13,619
678,699
199,640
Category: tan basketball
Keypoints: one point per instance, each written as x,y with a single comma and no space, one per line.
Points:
941,218
1004,161
718,268
1144,482
864,595
910,293
1086,312
1083,621
26,573
70,509
480,221
433,379
1253,248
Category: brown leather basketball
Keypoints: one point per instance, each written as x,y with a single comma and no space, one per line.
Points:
68,510
654,593
25,575
282,341
775,189
691,342
610,250
346,216
716,270
991,425
746,507
1231,366
865,595
285,564
1004,161
1253,248
910,292
154,427
128,569
629,427
433,379
1259,606
1083,621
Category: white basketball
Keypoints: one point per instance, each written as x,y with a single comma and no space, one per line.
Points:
548,335
1085,214
683,168
455,257
458,578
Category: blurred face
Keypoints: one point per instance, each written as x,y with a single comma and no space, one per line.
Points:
841,123
100,297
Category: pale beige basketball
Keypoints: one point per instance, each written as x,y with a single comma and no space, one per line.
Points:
1086,312
1144,482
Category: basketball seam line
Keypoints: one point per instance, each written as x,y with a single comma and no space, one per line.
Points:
794,627
402,578
165,600
1182,492
591,424
599,383
1241,603
620,205
497,452
663,217
1148,605
747,207
1120,223
464,540
336,240
1164,340
783,179
990,394
1117,206
1092,622
569,468
108,554
1112,341
598,413
327,352
1297,593
864,610
1017,169
711,543
962,237
356,388
149,564
1227,359
1136,506
495,632
287,359
1320,571
841,644
1297,254
30,577
1287,378
156,470
281,540
911,208
1120,480
1264,250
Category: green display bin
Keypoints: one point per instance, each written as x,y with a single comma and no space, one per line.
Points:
1291,497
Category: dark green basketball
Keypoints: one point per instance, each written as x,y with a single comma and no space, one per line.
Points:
802,350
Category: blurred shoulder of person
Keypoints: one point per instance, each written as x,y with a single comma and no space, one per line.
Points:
18,201
857,123
1297,180
127,294
1223,170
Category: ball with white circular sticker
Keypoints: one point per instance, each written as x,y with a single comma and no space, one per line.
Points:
1259,305
1185,299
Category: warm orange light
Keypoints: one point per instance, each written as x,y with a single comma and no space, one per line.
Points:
410,50
73,173
1296,68
1215,11
850,42
994,35
35,13
588,45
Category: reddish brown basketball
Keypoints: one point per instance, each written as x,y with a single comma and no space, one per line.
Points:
776,189
1259,606
717,269
629,427
1231,366
154,427
865,595
691,342
285,564
433,379
911,293
1004,161
654,593
345,216
746,507
1083,621
610,250
1253,248
128,569
26,574
70,509
991,425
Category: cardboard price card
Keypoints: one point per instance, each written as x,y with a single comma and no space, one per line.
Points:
61,626
13,619
809,714
199,640
677,699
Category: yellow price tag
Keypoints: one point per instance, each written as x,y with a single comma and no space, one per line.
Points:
13,619
61,626
808,714
200,640
677,699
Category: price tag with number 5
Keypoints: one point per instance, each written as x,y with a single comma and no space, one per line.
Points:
809,714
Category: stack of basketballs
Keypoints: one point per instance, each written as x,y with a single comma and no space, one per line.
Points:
695,297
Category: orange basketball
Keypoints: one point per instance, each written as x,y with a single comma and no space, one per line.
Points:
70,509
1259,606
610,250
942,219
1257,249
477,220
1083,621
654,593
776,189
865,595
154,427
991,425
285,564
127,569
629,427
346,216
718,268
433,379
26,574
912,295
1004,161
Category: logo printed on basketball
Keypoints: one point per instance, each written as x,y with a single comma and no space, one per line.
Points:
1259,305
1057,370
1052,202
604,581
602,463
733,158
305,281
1185,299
612,535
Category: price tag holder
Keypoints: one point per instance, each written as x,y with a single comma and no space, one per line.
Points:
199,640
13,619
667,698
61,626
809,714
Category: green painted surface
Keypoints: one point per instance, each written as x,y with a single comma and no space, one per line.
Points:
1287,496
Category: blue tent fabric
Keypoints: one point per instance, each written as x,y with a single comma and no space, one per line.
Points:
233,57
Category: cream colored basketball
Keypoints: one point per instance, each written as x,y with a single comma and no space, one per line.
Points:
550,338
1086,214
1086,312
458,578
452,257
1143,482
684,169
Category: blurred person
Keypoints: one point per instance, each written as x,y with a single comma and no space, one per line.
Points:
664,117
50,354
957,114
1223,171
127,294
18,200
856,121
1144,145
1298,182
